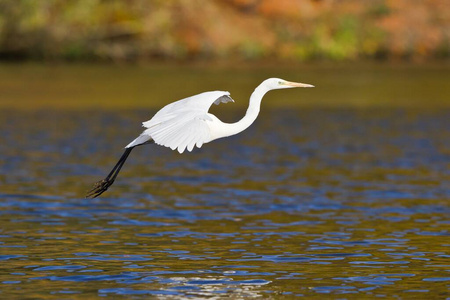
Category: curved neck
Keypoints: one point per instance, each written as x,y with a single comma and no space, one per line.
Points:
254,106
251,114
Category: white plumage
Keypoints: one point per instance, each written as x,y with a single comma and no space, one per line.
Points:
186,123
183,124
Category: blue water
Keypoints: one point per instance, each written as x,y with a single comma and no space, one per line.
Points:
305,202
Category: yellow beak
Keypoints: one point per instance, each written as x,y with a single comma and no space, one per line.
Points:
297,84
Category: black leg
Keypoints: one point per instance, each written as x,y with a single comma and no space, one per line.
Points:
102,185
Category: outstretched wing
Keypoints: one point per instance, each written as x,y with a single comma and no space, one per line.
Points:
183,124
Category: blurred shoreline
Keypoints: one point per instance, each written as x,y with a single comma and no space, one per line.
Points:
232,31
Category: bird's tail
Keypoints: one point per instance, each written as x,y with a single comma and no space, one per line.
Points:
140,140
102,185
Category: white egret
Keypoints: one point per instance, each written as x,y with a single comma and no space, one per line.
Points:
186,123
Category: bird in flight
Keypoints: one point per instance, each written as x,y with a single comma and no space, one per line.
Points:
186,123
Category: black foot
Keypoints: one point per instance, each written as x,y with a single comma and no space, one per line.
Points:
99,187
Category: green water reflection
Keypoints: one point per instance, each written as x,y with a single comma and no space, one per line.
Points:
32,86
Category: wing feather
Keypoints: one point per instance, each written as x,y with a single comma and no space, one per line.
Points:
183,141
224,99
184,134
199,103
183,124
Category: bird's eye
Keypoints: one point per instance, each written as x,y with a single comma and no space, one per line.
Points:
280,82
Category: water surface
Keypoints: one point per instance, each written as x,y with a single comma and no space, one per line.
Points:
349,202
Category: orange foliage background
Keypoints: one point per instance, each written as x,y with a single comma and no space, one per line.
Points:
293,30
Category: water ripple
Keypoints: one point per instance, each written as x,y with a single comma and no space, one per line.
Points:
355,206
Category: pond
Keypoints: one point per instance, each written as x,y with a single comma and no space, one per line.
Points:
342,190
